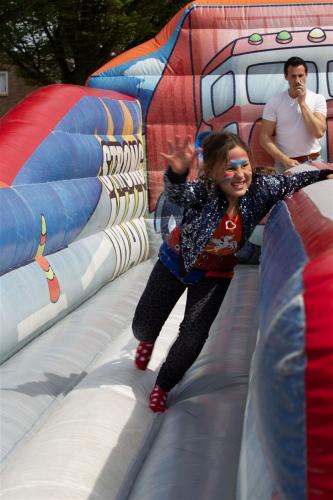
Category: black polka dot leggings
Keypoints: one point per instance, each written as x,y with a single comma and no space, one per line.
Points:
156,303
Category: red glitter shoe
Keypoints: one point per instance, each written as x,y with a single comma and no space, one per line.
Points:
143,354
157,399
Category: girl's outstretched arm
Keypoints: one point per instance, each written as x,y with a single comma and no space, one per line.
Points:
177,189
282,186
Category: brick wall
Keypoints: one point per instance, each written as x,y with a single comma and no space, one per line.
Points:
17,88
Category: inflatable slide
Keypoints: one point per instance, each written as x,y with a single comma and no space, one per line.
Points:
82,216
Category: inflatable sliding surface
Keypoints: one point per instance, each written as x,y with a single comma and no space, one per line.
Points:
82,216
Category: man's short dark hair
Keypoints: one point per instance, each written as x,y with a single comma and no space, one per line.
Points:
295,61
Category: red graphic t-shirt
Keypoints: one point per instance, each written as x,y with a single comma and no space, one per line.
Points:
218,256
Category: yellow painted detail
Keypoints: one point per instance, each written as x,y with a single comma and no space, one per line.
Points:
316,35
128,128
110,130
49,274
41,246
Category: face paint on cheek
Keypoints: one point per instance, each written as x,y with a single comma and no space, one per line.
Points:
227,177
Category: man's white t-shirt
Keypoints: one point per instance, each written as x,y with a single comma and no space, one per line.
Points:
292,136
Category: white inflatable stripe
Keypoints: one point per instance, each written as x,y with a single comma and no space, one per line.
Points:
38,318
98,259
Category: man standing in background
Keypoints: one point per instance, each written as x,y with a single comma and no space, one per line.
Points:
294,120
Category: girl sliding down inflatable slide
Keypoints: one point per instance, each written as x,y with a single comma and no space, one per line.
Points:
81,194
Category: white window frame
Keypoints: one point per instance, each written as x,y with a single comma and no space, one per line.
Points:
5,74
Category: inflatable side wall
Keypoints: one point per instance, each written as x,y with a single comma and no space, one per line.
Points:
290,410
294,377
72,200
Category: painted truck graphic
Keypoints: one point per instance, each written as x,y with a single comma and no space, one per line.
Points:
240,79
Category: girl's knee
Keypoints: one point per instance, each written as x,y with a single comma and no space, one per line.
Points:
143,327
139,327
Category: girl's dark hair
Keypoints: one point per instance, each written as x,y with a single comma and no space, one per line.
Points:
216,147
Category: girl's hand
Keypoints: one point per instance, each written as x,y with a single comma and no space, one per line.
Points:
330,176
180,156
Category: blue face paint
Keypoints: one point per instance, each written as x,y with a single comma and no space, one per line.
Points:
235,163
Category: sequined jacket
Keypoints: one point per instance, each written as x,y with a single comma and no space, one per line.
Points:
204,205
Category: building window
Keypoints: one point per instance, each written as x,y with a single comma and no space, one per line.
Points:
3,83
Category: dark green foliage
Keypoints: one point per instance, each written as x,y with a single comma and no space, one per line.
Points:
67,40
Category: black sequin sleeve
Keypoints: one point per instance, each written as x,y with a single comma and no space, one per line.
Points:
282,186
186,194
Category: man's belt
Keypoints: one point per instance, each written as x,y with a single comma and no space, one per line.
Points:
303,159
